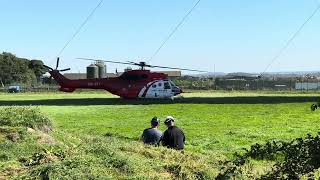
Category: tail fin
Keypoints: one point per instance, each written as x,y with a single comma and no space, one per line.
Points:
58,77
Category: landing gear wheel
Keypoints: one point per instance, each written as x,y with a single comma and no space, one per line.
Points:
314,107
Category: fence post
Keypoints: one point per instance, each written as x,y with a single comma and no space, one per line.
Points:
2,85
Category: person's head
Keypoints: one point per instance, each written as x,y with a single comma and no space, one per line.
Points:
155,122
169,121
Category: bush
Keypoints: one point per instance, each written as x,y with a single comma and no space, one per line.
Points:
294,159
24,116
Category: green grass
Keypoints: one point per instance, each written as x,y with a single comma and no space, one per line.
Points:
209,127
84,156
215,124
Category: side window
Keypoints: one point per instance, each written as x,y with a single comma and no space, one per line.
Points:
167,85
160,84
154,86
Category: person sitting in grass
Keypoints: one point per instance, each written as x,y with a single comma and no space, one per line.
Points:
153,135
173,137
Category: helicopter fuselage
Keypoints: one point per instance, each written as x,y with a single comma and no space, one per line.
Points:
131,84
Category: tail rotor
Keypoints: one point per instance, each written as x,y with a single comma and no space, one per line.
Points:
56,69
57,65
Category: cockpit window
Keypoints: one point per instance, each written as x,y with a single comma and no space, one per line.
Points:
167,85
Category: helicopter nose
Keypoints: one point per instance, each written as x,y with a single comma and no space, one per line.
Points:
176,90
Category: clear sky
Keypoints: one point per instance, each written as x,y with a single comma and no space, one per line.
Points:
235,35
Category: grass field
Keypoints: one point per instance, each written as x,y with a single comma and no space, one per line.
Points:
209,127
215,123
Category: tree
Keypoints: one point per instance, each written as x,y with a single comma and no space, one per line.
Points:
37,67
19,70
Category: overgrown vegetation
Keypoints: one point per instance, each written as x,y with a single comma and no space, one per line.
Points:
24,117
96,137
293,159
19,136
88,156
95,157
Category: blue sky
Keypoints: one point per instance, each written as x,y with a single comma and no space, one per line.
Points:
232,34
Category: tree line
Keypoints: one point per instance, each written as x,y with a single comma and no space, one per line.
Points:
19,70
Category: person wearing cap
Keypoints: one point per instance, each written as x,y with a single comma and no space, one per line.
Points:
173,137
152,136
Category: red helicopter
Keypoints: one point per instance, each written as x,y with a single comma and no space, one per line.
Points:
140,83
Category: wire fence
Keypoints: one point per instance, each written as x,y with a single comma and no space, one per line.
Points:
275,85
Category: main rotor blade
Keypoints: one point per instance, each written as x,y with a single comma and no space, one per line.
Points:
116,62
48,67
58,59
145,65
183,69
131,62
64,70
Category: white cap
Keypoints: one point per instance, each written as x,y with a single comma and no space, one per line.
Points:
168,119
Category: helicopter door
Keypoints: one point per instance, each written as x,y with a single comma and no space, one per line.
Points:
155,90
167,92
158,90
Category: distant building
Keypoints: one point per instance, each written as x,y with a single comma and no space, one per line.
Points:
75,75
172,74
109,75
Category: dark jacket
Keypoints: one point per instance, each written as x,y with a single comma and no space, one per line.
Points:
151,136
174,138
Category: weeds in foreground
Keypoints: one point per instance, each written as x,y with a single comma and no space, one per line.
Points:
297,158
28,116
114,156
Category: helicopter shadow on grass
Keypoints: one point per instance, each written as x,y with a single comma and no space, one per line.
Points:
188,100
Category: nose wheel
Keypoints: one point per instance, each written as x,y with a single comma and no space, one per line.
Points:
315,106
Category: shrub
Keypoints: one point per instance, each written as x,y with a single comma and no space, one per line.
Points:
31,117
299,157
